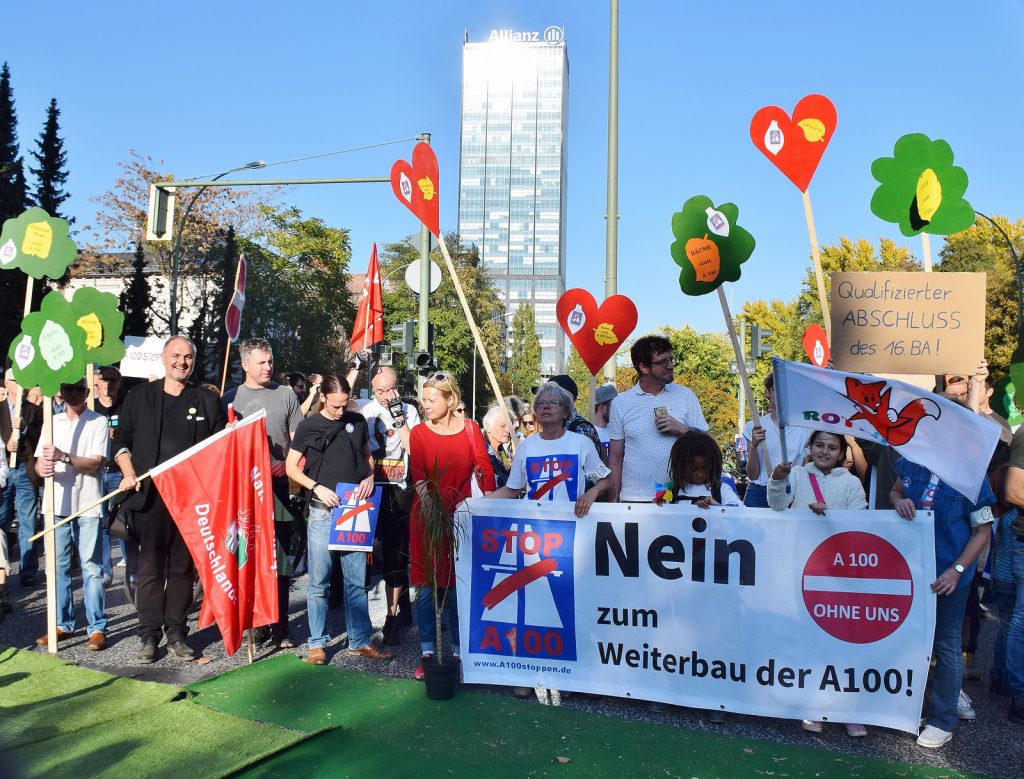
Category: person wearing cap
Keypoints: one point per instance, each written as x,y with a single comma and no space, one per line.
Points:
603,397
75,462
576,423
20,430
108,404
159,420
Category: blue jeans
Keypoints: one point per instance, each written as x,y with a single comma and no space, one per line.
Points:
111,480
1008,665
756,496
22,495
353,568
425,619
83,533
948,676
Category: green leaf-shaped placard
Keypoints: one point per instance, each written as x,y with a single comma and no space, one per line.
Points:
96,313
50,349
921,189
710,246
37,243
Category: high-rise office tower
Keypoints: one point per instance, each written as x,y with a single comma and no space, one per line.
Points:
512,172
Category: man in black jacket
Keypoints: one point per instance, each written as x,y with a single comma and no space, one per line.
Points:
158,421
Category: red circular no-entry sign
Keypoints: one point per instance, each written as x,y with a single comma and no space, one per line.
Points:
857,587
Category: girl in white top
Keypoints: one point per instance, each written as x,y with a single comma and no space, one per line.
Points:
821,484
695,467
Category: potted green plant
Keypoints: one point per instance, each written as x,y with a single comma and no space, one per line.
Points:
442,531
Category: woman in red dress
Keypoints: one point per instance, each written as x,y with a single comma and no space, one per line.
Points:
445,453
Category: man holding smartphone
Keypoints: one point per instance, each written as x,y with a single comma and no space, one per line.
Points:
646,421
389,421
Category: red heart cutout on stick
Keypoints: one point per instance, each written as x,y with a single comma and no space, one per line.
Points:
596,331
416,186
816,345
795,145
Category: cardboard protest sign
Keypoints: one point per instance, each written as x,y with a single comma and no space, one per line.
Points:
710,246
37,244
596,331
888,322
921,189
354,522
142,357
795,146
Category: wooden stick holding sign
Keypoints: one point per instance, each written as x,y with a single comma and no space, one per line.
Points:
926,252
818,273
49,546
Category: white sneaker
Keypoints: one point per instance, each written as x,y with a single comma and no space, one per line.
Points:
933,738
811,725
120,563
964,708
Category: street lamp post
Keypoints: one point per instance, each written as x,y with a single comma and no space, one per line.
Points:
492,319
176,251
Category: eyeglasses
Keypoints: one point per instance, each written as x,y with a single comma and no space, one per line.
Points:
383,390
668,362
528,422
547,404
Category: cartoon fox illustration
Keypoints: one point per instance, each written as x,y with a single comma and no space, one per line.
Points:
896,427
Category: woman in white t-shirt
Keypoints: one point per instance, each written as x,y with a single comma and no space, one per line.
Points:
555,464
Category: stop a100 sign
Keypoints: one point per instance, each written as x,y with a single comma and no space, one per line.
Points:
857,587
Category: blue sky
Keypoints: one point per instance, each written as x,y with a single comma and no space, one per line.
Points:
208,86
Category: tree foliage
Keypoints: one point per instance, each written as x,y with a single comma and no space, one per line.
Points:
52,159
136,301
524,347
13,200
453,340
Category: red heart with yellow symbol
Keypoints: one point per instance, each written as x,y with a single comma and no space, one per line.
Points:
597,332
795,145
416,186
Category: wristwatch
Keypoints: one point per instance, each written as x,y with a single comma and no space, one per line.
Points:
959,568
67,459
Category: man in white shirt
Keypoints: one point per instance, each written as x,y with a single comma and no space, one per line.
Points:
646,421
389,442
75,461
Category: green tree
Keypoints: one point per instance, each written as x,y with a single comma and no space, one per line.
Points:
296,292
524,362
453,339
983,249
52,174
13,200
136,300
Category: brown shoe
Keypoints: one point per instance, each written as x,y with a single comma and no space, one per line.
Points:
317,656
97,642
373,652
61,635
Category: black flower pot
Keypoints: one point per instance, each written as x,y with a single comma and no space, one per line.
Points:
440,677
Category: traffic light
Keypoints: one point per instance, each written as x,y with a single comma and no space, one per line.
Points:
160,220
404,339
423,361
758,336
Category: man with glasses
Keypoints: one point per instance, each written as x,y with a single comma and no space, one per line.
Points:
389,421
646,421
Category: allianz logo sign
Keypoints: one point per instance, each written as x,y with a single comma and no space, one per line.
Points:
552,35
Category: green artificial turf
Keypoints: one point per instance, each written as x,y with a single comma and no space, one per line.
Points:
388,727
174,740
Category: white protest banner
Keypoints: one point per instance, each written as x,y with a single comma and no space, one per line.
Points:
886,322
142,357
920,425
747,610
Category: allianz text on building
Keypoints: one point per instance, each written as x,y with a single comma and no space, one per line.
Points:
512,171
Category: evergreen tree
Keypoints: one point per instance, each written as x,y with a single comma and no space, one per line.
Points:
52,174
12,202
216,333
137,299
524,364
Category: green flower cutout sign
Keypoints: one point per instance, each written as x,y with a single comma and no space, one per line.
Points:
921,189
710,246
96,313
50,349
37,243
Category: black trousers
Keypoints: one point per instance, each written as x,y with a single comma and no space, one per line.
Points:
283,531
393,534
163,593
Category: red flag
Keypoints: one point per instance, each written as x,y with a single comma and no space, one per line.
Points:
369,325
219,494
233,316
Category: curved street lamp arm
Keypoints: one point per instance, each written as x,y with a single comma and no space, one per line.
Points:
1020,280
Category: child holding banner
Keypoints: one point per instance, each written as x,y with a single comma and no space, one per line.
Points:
819,485
695,468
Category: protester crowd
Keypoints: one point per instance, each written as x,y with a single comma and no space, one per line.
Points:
646,443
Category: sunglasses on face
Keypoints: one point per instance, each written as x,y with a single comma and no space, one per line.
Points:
528,422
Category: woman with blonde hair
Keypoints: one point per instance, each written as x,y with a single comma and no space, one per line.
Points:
446,453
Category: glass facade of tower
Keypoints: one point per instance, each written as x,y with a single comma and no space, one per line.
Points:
512,176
